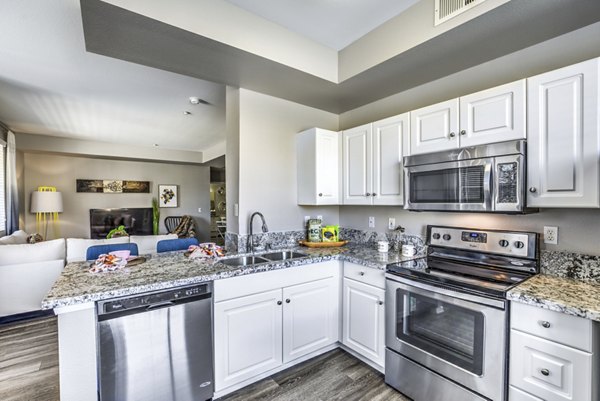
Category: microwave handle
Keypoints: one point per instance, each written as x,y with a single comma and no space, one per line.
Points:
488,185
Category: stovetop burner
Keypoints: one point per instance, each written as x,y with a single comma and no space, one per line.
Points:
484,262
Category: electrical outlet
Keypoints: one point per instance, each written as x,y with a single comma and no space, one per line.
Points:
550,235
371,222
199,210
236,209
391,223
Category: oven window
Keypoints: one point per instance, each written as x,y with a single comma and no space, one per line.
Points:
448,331
455,185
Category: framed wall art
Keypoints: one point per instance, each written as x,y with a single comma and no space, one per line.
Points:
168,196
113,186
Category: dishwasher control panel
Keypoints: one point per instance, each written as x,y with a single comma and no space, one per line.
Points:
154,299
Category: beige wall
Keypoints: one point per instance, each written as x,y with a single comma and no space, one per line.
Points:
62,171
267,162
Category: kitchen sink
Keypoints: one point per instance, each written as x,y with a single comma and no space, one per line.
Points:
244,261
283,255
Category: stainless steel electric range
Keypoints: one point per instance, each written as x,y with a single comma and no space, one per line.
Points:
447,315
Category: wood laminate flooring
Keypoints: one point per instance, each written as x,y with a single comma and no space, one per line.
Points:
29,361
29,372
335,375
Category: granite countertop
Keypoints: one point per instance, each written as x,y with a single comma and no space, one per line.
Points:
76,285
569,283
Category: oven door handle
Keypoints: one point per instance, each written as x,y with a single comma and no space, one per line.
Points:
459,298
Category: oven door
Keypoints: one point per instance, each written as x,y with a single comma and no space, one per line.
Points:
457,335
464,185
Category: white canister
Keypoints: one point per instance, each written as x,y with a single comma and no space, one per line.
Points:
408,250
383,246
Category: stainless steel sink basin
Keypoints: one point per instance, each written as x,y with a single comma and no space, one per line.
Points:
283,255
244,261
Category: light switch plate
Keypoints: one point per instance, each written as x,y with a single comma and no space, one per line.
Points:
371,222
391,223
551,235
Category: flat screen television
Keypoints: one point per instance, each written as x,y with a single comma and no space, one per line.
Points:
137,221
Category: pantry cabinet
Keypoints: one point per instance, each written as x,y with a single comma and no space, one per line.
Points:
564,137
318,167
372,162
266,320
363,323
489,116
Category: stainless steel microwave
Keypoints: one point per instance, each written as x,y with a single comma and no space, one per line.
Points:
486,178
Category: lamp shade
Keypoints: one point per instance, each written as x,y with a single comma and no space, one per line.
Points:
46,202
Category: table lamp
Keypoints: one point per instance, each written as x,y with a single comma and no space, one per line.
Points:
46,203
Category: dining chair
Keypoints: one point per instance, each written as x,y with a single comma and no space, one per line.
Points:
171,223
93,252
169,245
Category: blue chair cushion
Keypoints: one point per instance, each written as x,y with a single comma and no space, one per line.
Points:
93,252
169,245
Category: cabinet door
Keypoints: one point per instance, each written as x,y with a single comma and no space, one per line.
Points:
247,337
493,115
356,171
564,137
363,320
310,317
434,128
390,144
328,167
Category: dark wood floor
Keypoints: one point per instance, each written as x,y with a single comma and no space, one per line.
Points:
29,372
335,375
29,361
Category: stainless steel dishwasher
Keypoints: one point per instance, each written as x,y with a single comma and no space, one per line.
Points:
157,346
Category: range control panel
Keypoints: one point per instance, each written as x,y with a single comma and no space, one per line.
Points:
513,243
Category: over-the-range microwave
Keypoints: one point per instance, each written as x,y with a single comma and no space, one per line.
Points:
486,178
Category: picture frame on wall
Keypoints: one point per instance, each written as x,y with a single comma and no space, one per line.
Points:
168,196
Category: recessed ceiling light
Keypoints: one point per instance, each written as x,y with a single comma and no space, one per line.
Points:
196,100
187,113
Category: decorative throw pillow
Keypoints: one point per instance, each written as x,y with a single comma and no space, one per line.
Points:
18,237
34,238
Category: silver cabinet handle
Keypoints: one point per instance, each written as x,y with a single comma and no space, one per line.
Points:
279,302
368,194
463,132
545,372
361,273
545,324
452,135
379,302
320,194
287,301
373,194
533,189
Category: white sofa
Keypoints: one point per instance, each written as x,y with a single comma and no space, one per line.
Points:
28,271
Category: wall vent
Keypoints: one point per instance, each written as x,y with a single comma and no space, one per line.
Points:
447,9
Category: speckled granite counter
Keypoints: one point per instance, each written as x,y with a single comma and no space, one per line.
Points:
172,269
569,283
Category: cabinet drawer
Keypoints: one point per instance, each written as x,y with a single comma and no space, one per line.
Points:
549,370
561,328
515,394
367,275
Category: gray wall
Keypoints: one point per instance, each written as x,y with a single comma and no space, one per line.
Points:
62,171
578,229
267,160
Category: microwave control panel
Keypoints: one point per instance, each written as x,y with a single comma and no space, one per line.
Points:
520,244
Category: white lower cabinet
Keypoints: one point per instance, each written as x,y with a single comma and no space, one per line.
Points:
293,313
363,320
552,356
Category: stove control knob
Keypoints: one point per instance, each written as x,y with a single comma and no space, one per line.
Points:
503,243
519,244
446,237
436,235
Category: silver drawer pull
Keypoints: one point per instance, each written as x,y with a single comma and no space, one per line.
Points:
379,302
545,372
545,324
361,273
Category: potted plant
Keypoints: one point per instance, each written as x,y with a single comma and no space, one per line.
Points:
155,216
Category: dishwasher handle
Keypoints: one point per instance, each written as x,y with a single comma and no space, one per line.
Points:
160,305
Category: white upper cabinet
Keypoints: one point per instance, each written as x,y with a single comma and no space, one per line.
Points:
564,137
434,128
489,116
493,115
372,162
318,167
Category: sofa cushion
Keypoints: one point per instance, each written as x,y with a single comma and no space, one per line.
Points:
77,247
30,253
18,237
147,243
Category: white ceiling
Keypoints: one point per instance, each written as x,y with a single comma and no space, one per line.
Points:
50,85
333,23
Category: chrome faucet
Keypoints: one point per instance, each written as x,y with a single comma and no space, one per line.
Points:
264,229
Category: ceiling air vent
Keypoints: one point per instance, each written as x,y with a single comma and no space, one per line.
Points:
446,9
